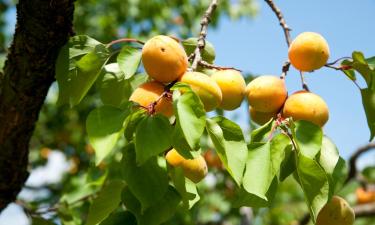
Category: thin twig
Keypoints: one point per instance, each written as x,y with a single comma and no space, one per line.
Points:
353,171
338,60
211,66
203,33
125,40
303,81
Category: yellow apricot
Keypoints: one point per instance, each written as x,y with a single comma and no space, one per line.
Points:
194,169
205,87
164,59
261,117
149,92
336,212
232,86
304,105
266,93
308,51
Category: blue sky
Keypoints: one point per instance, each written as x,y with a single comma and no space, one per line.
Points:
259,46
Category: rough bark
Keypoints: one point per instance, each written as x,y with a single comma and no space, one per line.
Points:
43,26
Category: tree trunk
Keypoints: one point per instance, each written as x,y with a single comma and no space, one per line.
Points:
43,26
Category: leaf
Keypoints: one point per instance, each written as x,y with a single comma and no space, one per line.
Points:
81,45
152,137
208,53
371,62
259,134
128,59
314,183
131,123
308,137
368,101
243,198
148,182
104,126
278,148
185,187
120,218
106,202
230,145
359,64
36,220
75,83
288,165
258,173
114,89
160,212
191,118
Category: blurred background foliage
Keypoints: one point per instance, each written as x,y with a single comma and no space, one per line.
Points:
62,129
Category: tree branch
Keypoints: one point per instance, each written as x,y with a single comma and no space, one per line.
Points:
203,33
43,27
353,171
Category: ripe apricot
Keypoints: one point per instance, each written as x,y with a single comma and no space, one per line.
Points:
261,117
336,212
308,51
205,87
149,92
212,159
266,93
365,196
194,169
304,105
164,59
232,86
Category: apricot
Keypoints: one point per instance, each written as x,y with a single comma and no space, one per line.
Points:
232,86
164,59
308,51
205,87
149,92
336,212
304,105
365,196
212,159
261,117
194,169
266,93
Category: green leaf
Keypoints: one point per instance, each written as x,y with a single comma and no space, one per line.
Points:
114,89
369,173
191,118
104,126
180,144
120,218
360,65
152,137
148,182
244,198
128,60
261,133
230,145
279,145
288,165
314,183
185,187
308,137
368,101
131,123
160,212
81,45
208,53
75,82
106,202
36,220
371,62
258,172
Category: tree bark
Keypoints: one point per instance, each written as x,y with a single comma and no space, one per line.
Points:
43,27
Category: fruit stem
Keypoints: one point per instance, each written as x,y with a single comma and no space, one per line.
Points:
211,66
304,84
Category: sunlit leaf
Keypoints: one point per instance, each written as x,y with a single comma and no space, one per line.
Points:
128,60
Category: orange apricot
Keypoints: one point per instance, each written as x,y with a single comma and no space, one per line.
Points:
308,51
149,92
365,196
336,212
304,105
194,169
164,59
232,86
266,93
205,87
261,117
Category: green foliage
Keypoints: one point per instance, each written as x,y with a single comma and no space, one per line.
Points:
128,60
308,138
208,53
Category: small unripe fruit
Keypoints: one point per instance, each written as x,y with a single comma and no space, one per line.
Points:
304,105
149,92
308,51
194,169
266,93
232,86
205,87
261,117
164,59
336,212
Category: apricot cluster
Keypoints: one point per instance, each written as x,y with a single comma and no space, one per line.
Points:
267,95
